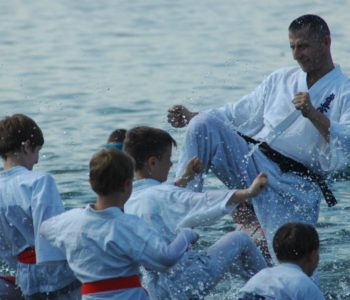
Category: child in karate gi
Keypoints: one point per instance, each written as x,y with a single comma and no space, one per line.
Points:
297,249
105,246
169,207
243,216
27,198
116,138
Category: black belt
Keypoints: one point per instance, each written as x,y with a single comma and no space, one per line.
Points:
288,164
251,296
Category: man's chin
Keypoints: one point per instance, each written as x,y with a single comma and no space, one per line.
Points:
303,67
306,66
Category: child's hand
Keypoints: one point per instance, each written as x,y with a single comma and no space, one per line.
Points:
194,167
196,238
191,236
258,184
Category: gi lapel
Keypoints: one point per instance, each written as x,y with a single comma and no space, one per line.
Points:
315,95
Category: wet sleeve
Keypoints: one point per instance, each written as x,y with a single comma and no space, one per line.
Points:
46,203
247,114
205,208
336,154
159,255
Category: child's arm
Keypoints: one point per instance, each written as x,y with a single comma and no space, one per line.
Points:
46,203
205,208
159,255
194,167
255,188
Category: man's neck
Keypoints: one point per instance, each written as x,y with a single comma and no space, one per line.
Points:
313,77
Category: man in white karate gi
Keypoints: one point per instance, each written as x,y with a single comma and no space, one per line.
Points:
302,114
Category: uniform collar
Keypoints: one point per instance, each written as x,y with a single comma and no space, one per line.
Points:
143,183
109,212
12,171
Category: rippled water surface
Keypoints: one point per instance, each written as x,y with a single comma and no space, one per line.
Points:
84,68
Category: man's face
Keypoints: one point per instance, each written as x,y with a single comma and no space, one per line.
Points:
309,50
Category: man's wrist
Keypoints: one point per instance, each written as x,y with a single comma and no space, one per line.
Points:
311,113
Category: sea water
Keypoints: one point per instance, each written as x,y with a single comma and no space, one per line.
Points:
83,68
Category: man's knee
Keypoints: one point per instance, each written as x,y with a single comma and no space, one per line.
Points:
201,122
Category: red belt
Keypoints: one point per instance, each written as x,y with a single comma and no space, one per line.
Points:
9,278
27,256
112,284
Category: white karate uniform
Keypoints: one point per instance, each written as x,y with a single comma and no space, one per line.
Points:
167,208
286,281
106,244
27,198
212,137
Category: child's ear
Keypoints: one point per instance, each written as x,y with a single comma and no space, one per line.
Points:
151,162
313,259
26,146
127,184
315,256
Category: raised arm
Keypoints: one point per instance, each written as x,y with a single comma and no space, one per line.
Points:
193,168
179,116
206,208
303,103
255,188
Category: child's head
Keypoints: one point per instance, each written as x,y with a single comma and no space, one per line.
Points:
117,136
110,170
295,242
116,139
151,150
16,131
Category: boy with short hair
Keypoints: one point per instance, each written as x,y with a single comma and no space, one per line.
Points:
169,207
27,198
105,246
297,249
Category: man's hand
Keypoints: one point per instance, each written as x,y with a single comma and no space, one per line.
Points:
179,116
303,103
